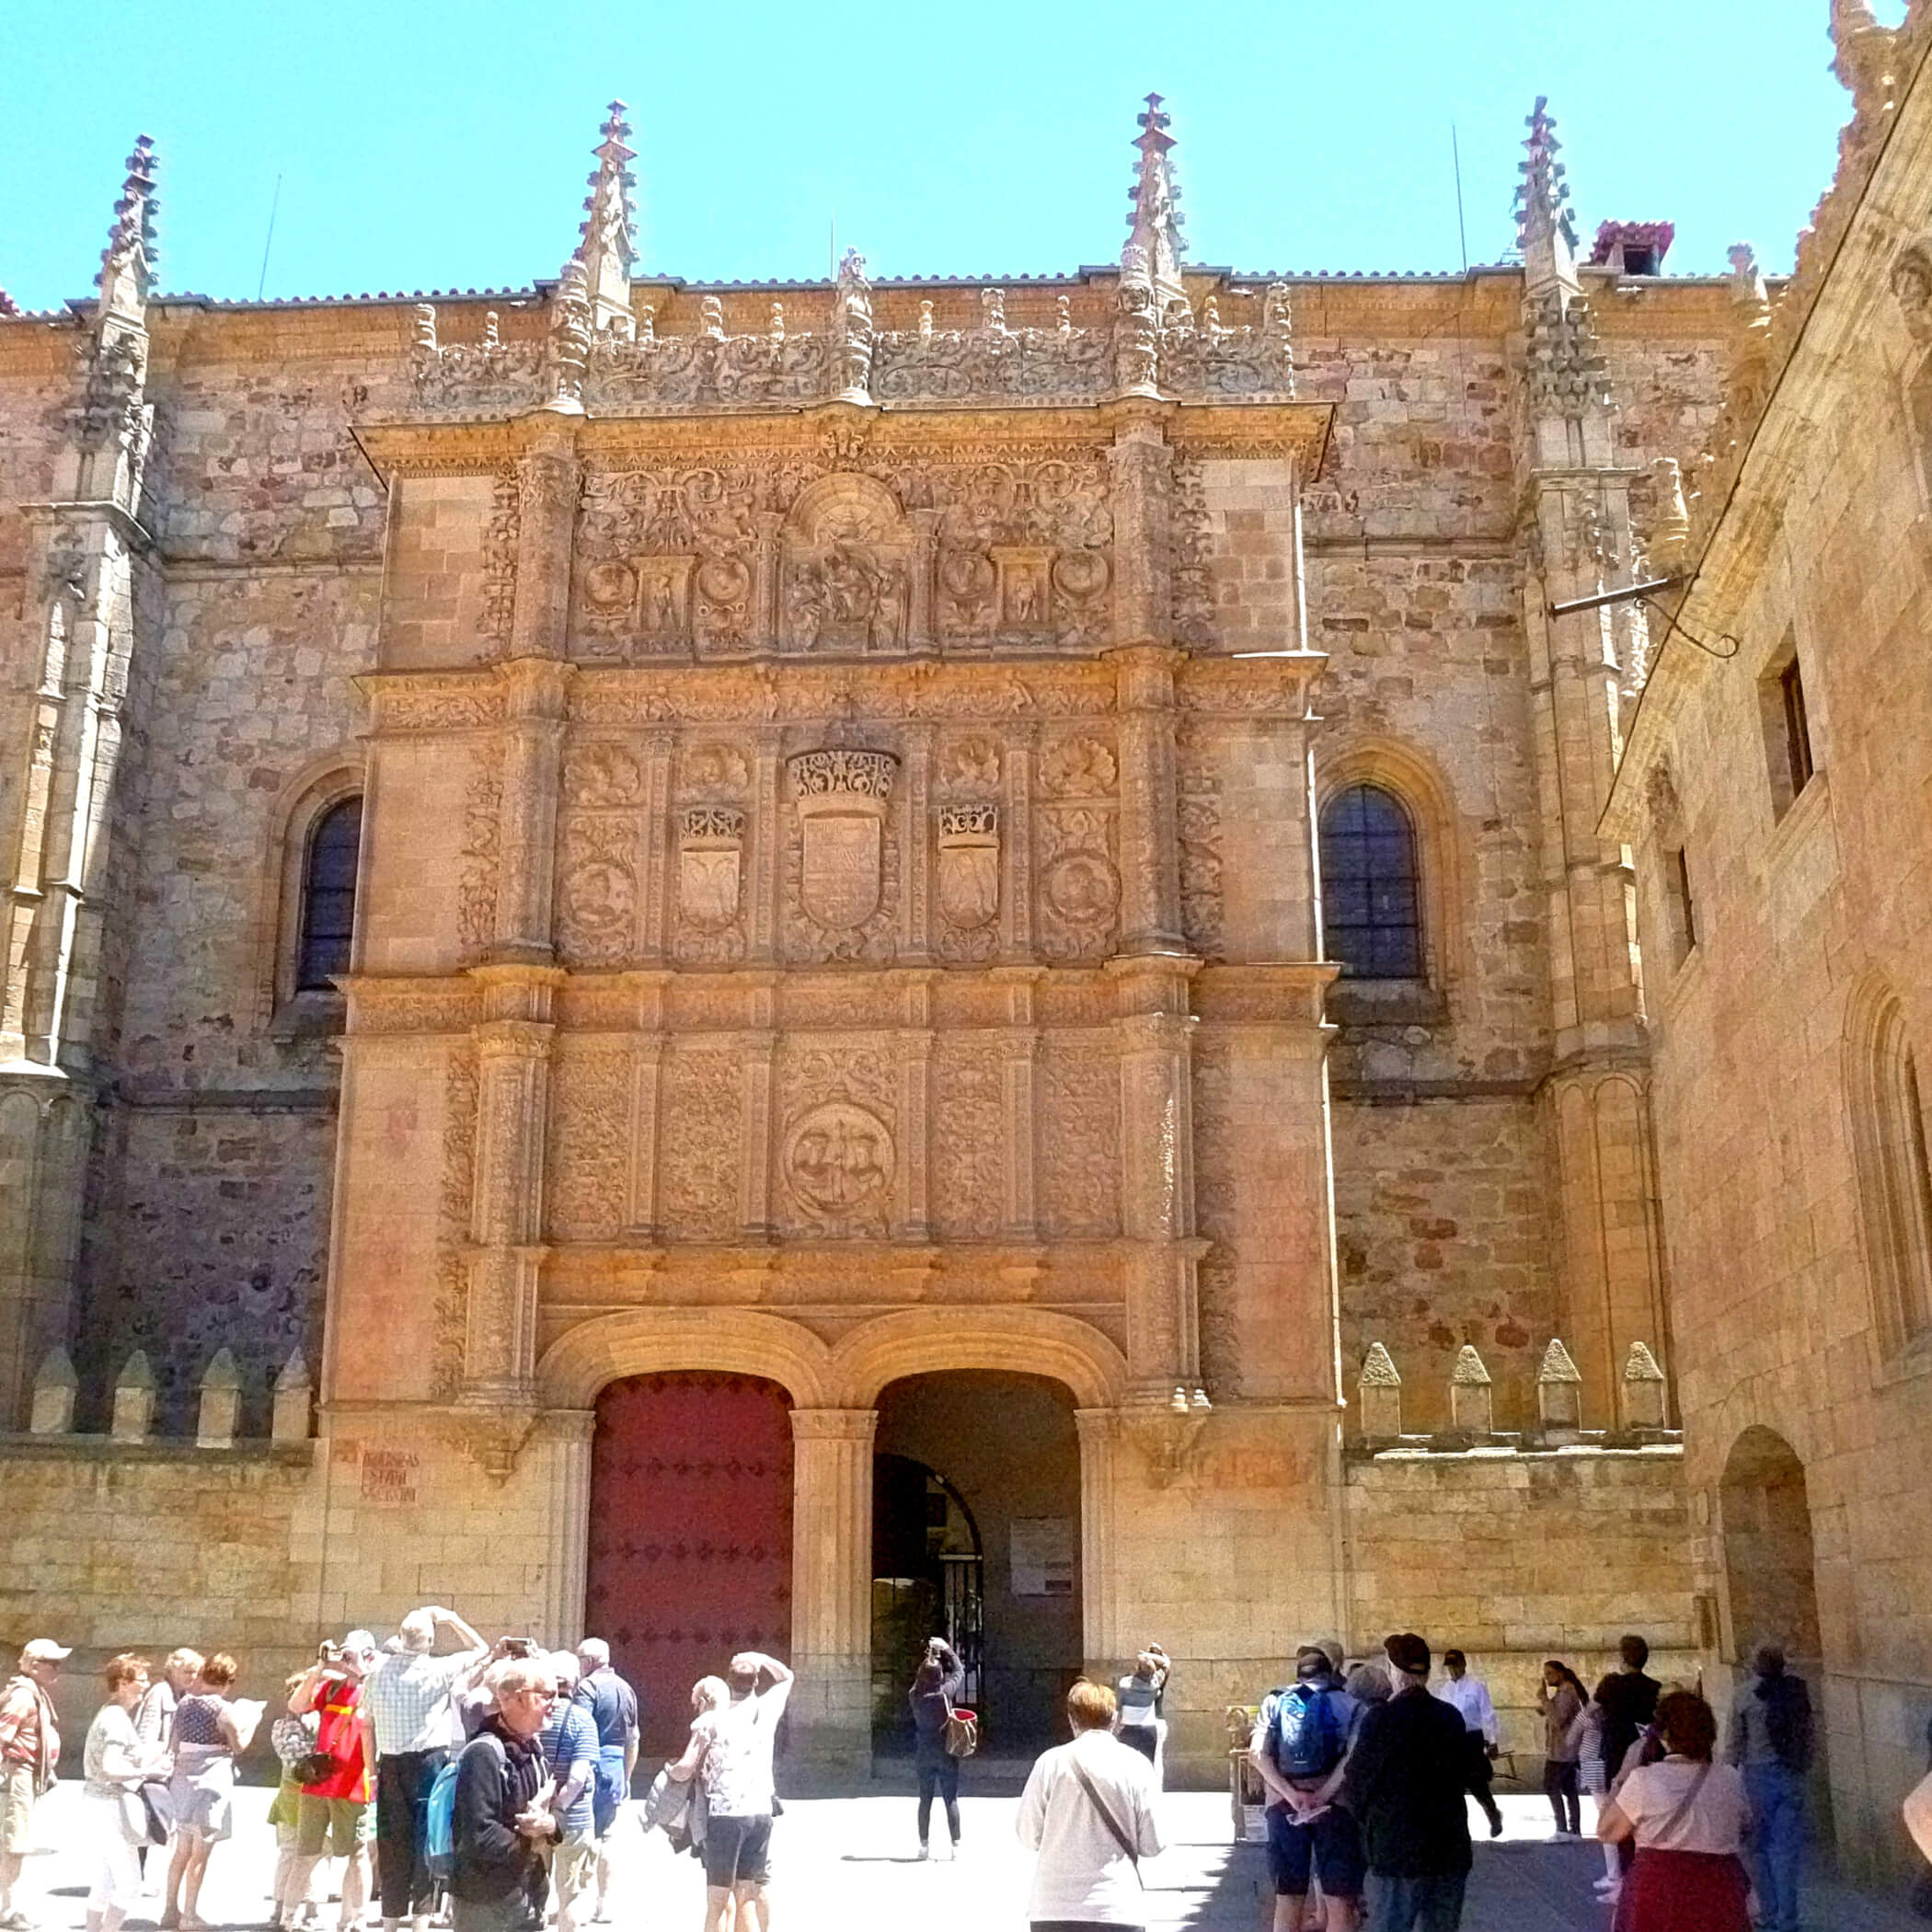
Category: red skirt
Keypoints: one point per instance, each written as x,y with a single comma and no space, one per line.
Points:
1684,1892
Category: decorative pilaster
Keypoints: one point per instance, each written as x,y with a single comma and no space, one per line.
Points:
1099,1439
832,1581
1150,854
548,478
566,1444
760,1050
911,1186
647,1066
1015,910
513,1043
1154,1032
1021,1072
769,832
535,694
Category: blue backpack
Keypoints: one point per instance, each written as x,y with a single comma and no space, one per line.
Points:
1309,1740
439,1836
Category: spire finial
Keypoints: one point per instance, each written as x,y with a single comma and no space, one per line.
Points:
1151,255
1546,231
607,244
128,262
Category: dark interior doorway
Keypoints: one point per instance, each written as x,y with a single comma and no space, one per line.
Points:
975,1538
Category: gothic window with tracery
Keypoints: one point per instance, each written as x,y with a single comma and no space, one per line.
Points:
328,896
1371,885
1895,1177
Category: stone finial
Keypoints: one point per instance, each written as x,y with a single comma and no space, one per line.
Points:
1747,279
1378,1395
133,1400
290,1418
128,262
54,1385
1670,521
1643,1389
220,1414
1471,1398
1546,230
607,246
1559,1390
1151,257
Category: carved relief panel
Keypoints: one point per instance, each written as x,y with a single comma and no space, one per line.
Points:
591,1134
1199,836
836,1119
602,830
1076,859
841,549
714,780
701,1140
969,1141
1080,1132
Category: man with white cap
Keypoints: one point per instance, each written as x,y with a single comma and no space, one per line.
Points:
29,1749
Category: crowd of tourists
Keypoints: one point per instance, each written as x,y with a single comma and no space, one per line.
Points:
485,1781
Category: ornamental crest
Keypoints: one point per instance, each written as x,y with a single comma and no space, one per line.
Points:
841,798
969,865
710,845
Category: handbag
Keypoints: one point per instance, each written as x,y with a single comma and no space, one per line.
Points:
314,1768
962,1731
157,1813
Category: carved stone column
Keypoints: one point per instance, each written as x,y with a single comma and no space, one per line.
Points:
654,910
646,1075
1020,1042
1099,1636
566,1444
548,478
513,1040
1141,470
925,550
1153,1031
764,580
760,1049
915,848
832,1582
767,843
1150,849
1016,848
535,696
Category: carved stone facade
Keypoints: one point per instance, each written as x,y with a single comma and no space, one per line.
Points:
840,769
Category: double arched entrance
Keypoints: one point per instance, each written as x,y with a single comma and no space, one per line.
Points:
841,1507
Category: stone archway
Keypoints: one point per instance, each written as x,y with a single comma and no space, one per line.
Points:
1768,1557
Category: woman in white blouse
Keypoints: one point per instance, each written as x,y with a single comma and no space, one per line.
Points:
115,1763
1689,1818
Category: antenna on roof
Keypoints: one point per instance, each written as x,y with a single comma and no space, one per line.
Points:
1462,232
274,202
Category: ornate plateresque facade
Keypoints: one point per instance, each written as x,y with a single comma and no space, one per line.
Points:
841,770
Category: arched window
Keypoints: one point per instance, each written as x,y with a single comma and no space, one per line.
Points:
1371,885
328,896
1895,1177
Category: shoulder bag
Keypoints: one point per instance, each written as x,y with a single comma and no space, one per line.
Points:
962,1730
1107,1818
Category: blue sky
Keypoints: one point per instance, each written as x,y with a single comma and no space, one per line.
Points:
444,146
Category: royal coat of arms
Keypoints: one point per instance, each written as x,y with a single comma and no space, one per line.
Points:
841,798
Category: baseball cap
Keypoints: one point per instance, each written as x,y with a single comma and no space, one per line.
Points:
44,1649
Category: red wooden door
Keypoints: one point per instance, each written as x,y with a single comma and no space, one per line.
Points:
690,1540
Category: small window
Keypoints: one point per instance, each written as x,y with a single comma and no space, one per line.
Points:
1640,258
1371,888
1788,762
1797,732
328,896
1682,905
1895,1177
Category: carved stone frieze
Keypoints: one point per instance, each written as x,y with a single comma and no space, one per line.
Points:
700,1142
591,1131
841,353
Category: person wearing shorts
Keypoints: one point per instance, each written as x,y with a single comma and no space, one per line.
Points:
1309,1834
334,1815
730,1749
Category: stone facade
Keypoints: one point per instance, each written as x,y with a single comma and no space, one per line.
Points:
839,902
1774,786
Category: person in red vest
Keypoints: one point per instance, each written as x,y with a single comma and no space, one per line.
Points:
334,1813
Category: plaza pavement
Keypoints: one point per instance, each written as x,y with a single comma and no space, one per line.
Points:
847,1865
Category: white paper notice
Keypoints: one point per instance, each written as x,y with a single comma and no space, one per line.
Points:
1041,1555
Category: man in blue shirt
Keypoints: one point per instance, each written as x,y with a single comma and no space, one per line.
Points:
569,1743
613,1706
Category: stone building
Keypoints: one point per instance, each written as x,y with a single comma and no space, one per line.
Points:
1774,787
706,906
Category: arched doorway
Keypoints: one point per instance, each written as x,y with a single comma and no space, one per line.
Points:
689,1555
1770,1580
976,1537
1768,1548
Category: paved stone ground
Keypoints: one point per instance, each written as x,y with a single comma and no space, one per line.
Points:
847,1864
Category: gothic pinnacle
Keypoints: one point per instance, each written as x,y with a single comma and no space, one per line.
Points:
607,241
1151,255
1546,231
127,263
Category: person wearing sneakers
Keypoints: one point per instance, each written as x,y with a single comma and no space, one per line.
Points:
29,1749
936,1687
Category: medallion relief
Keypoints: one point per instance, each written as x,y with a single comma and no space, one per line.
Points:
837,1162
